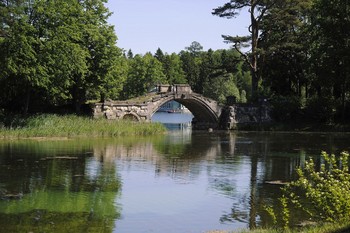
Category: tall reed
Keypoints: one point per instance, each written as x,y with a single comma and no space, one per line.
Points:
76,126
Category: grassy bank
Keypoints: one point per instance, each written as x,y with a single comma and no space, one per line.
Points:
326,228
73,126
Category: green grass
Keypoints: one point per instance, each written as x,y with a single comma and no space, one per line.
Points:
75,126
326,228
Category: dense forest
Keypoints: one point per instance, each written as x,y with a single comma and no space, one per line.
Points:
64,54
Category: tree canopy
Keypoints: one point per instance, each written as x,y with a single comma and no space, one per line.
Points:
299,50
56,52
63,53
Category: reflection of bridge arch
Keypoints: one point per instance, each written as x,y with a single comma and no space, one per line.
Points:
206,111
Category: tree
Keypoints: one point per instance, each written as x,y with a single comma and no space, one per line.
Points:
221,87
330,50
195,48
210,63
22,71
257,10
144,72
172,69
284,51
130,54
99,40
159,55
60,51
191,67
105,58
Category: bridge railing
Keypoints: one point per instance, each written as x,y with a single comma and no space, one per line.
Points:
176,88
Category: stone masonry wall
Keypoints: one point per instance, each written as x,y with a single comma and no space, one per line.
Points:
244,114
113,111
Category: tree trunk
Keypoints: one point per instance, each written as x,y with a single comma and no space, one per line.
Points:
76,101
254,57
102,97
27,100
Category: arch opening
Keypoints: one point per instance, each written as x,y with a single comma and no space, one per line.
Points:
203,115
130,117
173,114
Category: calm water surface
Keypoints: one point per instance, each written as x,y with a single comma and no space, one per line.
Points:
180,182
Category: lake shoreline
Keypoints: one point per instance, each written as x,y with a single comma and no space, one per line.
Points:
295,127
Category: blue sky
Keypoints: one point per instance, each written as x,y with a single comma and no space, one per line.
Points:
172,25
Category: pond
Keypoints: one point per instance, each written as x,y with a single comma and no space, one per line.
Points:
185,181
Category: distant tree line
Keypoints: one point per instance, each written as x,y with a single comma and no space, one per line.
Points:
64,53
215,74
299,55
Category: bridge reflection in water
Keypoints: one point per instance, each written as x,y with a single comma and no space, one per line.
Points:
174,121
236,166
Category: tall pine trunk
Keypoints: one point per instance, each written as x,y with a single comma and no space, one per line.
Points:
254,29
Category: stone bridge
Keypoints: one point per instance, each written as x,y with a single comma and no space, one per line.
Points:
207,112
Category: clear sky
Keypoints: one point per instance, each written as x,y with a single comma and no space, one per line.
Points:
172,25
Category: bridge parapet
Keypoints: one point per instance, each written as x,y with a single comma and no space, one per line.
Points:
207,112
176,88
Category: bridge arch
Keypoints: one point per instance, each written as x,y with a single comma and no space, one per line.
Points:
206,111
201,111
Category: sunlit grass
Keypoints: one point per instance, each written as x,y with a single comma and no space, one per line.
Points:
76,126
325,228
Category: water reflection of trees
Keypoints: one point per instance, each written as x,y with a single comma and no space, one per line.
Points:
56,187
76,183
238,165
270,157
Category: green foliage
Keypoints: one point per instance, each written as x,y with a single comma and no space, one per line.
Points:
195,48
321,191
74,126
285,214
191,68
144,73
325,193
299,49
172,69
217,74
58,52
321,109
220,87
286,108
330,49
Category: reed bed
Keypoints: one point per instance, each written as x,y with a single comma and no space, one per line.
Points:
75,126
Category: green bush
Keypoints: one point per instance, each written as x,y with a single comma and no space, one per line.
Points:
322,194
320,109
286,108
